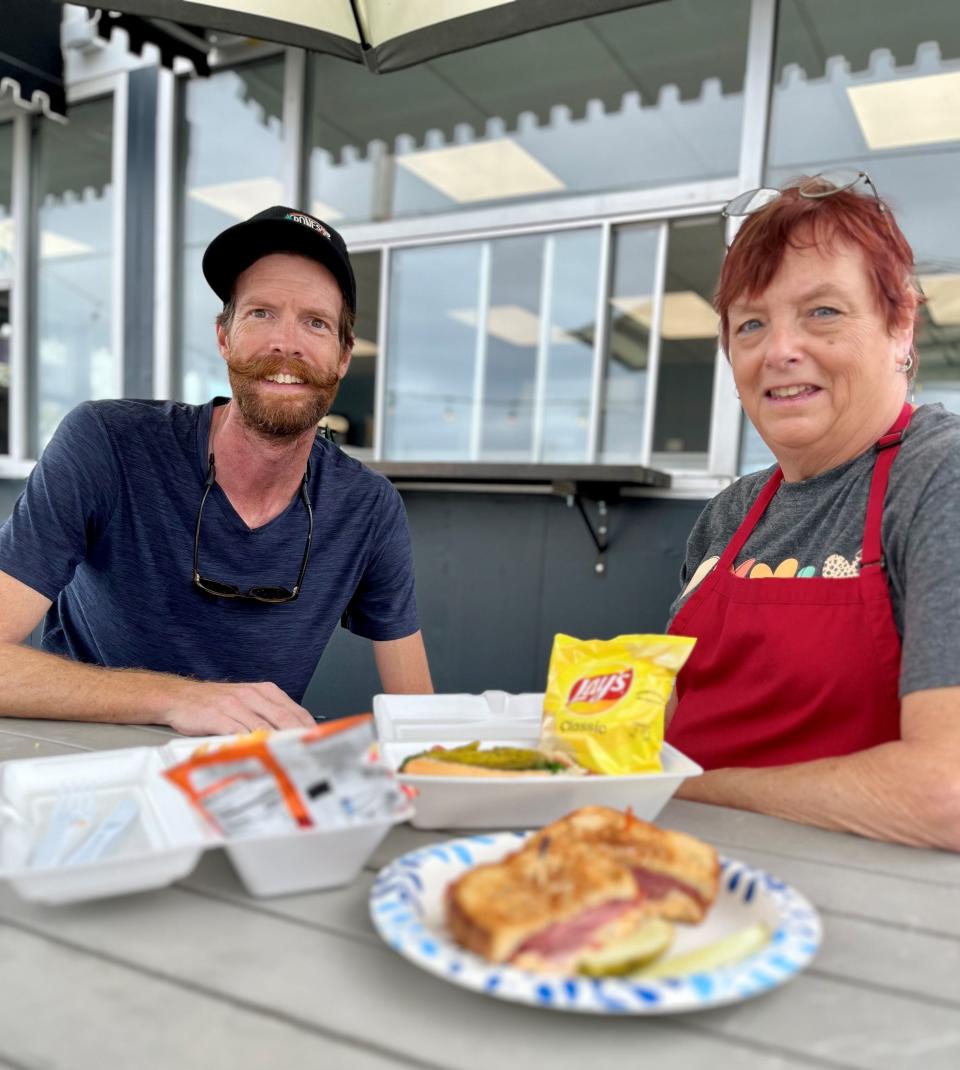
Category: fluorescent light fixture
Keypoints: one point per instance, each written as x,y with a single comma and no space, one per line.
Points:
248,196
54,245
484,171
362,347
240,199
943,298
685,314
513,324
908,111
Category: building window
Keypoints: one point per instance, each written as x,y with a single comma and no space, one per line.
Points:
491,348
6,277
230,144
625,101
351,415
875,84
74,269
630,318
688,345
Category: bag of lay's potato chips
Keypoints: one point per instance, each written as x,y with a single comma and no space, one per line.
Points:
605,699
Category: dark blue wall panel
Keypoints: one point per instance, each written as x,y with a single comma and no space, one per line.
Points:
498,575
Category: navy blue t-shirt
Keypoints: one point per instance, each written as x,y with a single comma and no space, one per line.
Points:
105,530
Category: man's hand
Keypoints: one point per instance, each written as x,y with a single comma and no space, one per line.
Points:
212,709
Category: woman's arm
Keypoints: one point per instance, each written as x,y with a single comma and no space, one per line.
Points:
907,790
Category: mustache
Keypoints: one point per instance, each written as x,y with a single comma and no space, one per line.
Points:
271,364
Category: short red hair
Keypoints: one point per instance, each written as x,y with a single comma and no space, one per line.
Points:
801,222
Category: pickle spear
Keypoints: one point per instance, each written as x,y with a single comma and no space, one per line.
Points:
623,956
507,758
723,952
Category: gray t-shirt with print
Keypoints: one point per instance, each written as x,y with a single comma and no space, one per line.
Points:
815,528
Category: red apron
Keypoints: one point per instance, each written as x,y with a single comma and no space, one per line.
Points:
789,670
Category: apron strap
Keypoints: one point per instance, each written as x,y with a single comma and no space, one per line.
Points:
750,521
886,450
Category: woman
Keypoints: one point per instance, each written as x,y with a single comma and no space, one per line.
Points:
825,683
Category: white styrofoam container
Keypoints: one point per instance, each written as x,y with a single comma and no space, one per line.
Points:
408,724
310,859
163,845
169,835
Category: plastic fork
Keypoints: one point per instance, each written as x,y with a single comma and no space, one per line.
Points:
72,811
110,828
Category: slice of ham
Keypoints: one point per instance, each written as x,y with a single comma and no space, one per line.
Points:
659,885
564,937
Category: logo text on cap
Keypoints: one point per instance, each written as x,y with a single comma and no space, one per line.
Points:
308,221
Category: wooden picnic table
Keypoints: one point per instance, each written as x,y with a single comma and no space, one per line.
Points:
202,975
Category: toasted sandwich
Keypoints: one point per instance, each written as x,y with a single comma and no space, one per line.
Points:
678,873
545,909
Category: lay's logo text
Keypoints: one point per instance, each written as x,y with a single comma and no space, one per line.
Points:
595,694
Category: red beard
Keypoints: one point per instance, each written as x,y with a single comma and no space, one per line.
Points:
281,417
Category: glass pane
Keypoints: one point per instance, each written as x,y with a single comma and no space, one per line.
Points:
534,117
5,335
74,288
432,352
630,309
688,345
351,416
517,390
754,454
230,140
568,374
939,344
6,273
6,200
875,84
513,332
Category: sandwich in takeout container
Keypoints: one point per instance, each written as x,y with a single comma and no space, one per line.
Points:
409,725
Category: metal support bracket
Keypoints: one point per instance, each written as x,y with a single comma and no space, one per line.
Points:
599,535
575,495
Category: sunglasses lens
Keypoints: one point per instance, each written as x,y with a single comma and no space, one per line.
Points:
224,590
828,182
271,594
751,201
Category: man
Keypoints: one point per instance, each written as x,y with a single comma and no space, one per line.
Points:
193,561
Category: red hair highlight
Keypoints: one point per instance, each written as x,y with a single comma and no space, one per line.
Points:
792,221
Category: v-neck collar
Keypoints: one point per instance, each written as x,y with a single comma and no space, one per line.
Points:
236,521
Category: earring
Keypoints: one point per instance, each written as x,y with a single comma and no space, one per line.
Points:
907,365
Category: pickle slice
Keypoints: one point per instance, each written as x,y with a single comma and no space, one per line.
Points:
723,952
493,758
642,946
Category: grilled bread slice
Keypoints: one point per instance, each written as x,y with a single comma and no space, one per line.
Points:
679,873
544,909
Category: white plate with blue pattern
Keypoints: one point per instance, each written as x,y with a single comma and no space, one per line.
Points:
407,908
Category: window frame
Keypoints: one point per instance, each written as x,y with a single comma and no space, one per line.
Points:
19,461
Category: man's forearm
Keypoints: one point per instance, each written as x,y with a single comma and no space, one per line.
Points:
44,685
38,684
905,791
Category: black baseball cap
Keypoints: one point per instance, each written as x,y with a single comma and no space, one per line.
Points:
277,230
